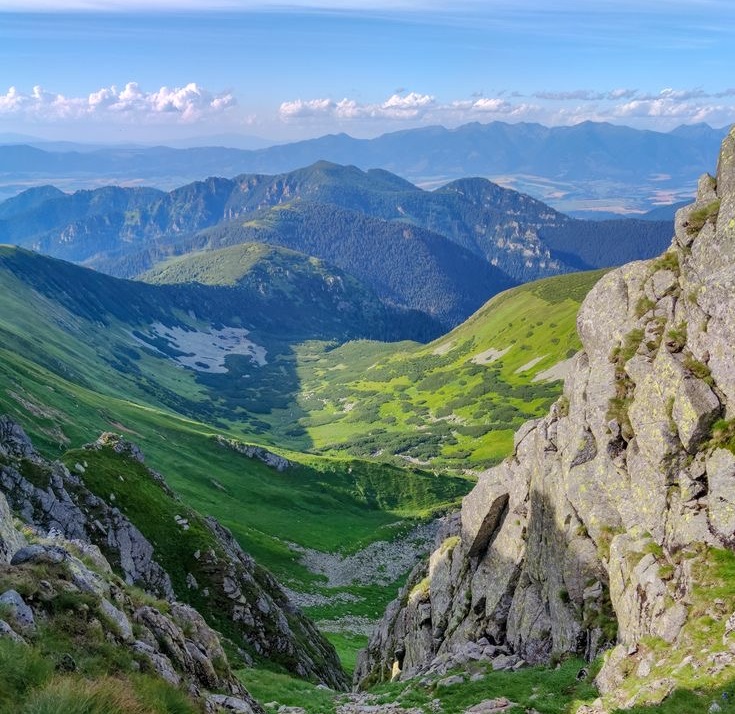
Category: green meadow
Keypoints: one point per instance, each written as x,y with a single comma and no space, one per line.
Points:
454,403
380,436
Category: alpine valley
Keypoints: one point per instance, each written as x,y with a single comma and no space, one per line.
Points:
269,437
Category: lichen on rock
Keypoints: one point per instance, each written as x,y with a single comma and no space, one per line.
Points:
574,544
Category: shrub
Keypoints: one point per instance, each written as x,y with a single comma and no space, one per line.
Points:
78,696
676,337
108,695
420,591
698,369
668,261
723,434
644,305
700,216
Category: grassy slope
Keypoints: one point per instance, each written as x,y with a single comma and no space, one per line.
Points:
432,402
34,680
259,504
66,378
59,379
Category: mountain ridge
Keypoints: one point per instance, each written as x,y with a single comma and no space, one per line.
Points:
343,215
618,160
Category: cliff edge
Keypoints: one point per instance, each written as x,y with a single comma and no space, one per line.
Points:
598,531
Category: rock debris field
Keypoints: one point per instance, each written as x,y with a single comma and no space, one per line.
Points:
380,563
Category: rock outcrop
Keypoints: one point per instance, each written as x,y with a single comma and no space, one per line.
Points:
46,494
225,584
253,600
173,641
275,461
587,536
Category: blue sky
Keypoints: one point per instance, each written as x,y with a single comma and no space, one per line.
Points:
150,71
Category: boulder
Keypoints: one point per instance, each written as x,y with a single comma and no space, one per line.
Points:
17,612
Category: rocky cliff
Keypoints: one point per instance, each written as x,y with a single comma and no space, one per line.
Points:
595,533
61,599
109,499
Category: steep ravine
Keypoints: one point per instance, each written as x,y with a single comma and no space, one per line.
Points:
597,532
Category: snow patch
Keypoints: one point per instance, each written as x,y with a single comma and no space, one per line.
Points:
205,351
443,348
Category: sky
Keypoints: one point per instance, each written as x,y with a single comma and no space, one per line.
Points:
158,70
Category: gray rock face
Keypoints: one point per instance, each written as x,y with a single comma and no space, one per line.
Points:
9,633
57,500
178,644
254,600
11,540
58,503
37,553
120,445
13,440
119,618
227,703
721,481
571,544
275,461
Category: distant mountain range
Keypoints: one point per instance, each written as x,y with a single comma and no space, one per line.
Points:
576,166
442,252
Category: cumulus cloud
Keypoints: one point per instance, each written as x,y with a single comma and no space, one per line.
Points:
184,104
397,106
683,105
663,110
621,93
668,93
488,104
410,106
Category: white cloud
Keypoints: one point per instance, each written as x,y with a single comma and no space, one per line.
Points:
622,93
183,104
298,108
171,107
410,107
662,110
407,106
494,106
587,95
397,106
668,93
577,94
665,108
681,105
11,101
